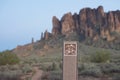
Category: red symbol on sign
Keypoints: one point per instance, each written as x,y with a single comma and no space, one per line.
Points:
70,49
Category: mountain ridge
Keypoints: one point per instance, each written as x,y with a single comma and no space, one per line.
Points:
91,26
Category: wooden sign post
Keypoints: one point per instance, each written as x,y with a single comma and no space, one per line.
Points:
70,61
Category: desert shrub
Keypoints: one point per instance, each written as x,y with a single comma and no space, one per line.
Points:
110,68
44,76
116,77
54,66
100,56
9,67
26,68
55,75
43,67
8,57
4,68
49,67
52,75
10,75
61,65
85,58
89,69
14,67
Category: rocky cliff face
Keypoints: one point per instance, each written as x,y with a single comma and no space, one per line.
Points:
56,26
68,24
88,23
47,35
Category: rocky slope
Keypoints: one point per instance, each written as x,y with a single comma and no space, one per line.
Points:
90,26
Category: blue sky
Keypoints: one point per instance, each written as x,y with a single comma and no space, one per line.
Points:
20,20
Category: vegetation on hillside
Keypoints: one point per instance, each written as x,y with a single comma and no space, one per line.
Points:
7,57
100,56
92,62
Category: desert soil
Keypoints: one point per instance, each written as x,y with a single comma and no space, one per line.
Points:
38,74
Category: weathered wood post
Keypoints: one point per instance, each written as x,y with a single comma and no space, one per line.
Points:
70,70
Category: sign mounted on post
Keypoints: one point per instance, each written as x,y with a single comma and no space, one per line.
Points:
70,61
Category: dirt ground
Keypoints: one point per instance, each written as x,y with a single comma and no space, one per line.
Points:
38,74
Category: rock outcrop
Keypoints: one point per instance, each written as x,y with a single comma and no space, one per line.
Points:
88,23
67,23
47,35
56,26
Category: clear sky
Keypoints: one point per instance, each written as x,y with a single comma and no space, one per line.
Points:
20,20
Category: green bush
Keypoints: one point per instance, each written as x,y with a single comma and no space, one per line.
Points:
116,77
52,75
89,69
8,57
50,67
26,68
110,68
100,56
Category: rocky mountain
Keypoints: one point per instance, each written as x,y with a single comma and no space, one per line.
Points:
93,23
91,26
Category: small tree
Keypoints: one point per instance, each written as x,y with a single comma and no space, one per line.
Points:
100,56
